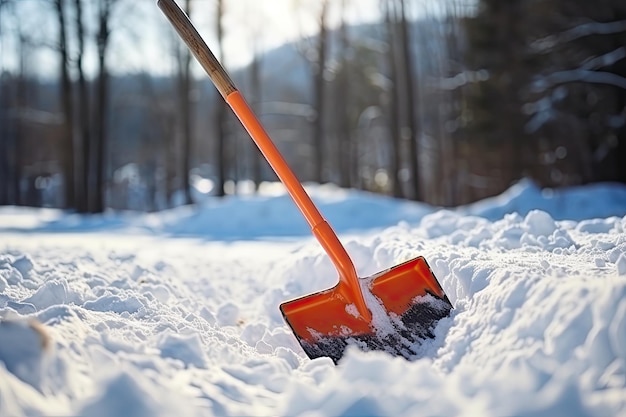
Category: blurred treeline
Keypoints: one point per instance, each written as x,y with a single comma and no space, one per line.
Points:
440,101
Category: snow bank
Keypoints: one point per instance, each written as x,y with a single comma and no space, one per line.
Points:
568,203
156,324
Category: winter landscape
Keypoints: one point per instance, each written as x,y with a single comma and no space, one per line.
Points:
176,313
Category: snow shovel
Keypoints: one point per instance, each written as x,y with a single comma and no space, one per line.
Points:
393,310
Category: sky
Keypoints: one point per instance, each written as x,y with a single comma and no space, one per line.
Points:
142,40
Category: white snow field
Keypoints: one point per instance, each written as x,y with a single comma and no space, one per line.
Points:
176,313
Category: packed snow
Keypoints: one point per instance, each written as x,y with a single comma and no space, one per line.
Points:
176,313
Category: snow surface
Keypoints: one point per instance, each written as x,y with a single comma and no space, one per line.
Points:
176,313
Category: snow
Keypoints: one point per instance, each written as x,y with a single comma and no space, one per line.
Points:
176,313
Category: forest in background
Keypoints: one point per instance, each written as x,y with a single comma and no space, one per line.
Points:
444,102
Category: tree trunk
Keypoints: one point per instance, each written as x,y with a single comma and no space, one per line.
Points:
5,139
411,103
102,98
67,154
456,137
220,115
83,122
319,97
186,108
5,142
256,93
344,137
394,110
21,101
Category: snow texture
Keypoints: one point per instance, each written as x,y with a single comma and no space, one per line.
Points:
176,313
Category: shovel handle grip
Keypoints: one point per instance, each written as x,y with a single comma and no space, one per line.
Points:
197,46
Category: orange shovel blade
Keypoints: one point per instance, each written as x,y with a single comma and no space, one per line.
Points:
406,302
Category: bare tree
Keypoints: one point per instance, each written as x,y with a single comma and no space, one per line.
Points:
14,98
4,131
344,141
67,153
452,163
394,99
81,180
412,127
103,37
319,94
5,141
7,158
170,148
256,94
220,115
186,114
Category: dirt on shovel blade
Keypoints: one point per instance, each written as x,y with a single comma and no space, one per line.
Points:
409,331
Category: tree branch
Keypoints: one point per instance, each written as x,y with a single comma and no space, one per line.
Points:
578,75
586,29
605,60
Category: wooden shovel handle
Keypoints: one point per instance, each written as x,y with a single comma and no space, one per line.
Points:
197,46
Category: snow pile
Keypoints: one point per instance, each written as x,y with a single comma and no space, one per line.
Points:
572,203
149,317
